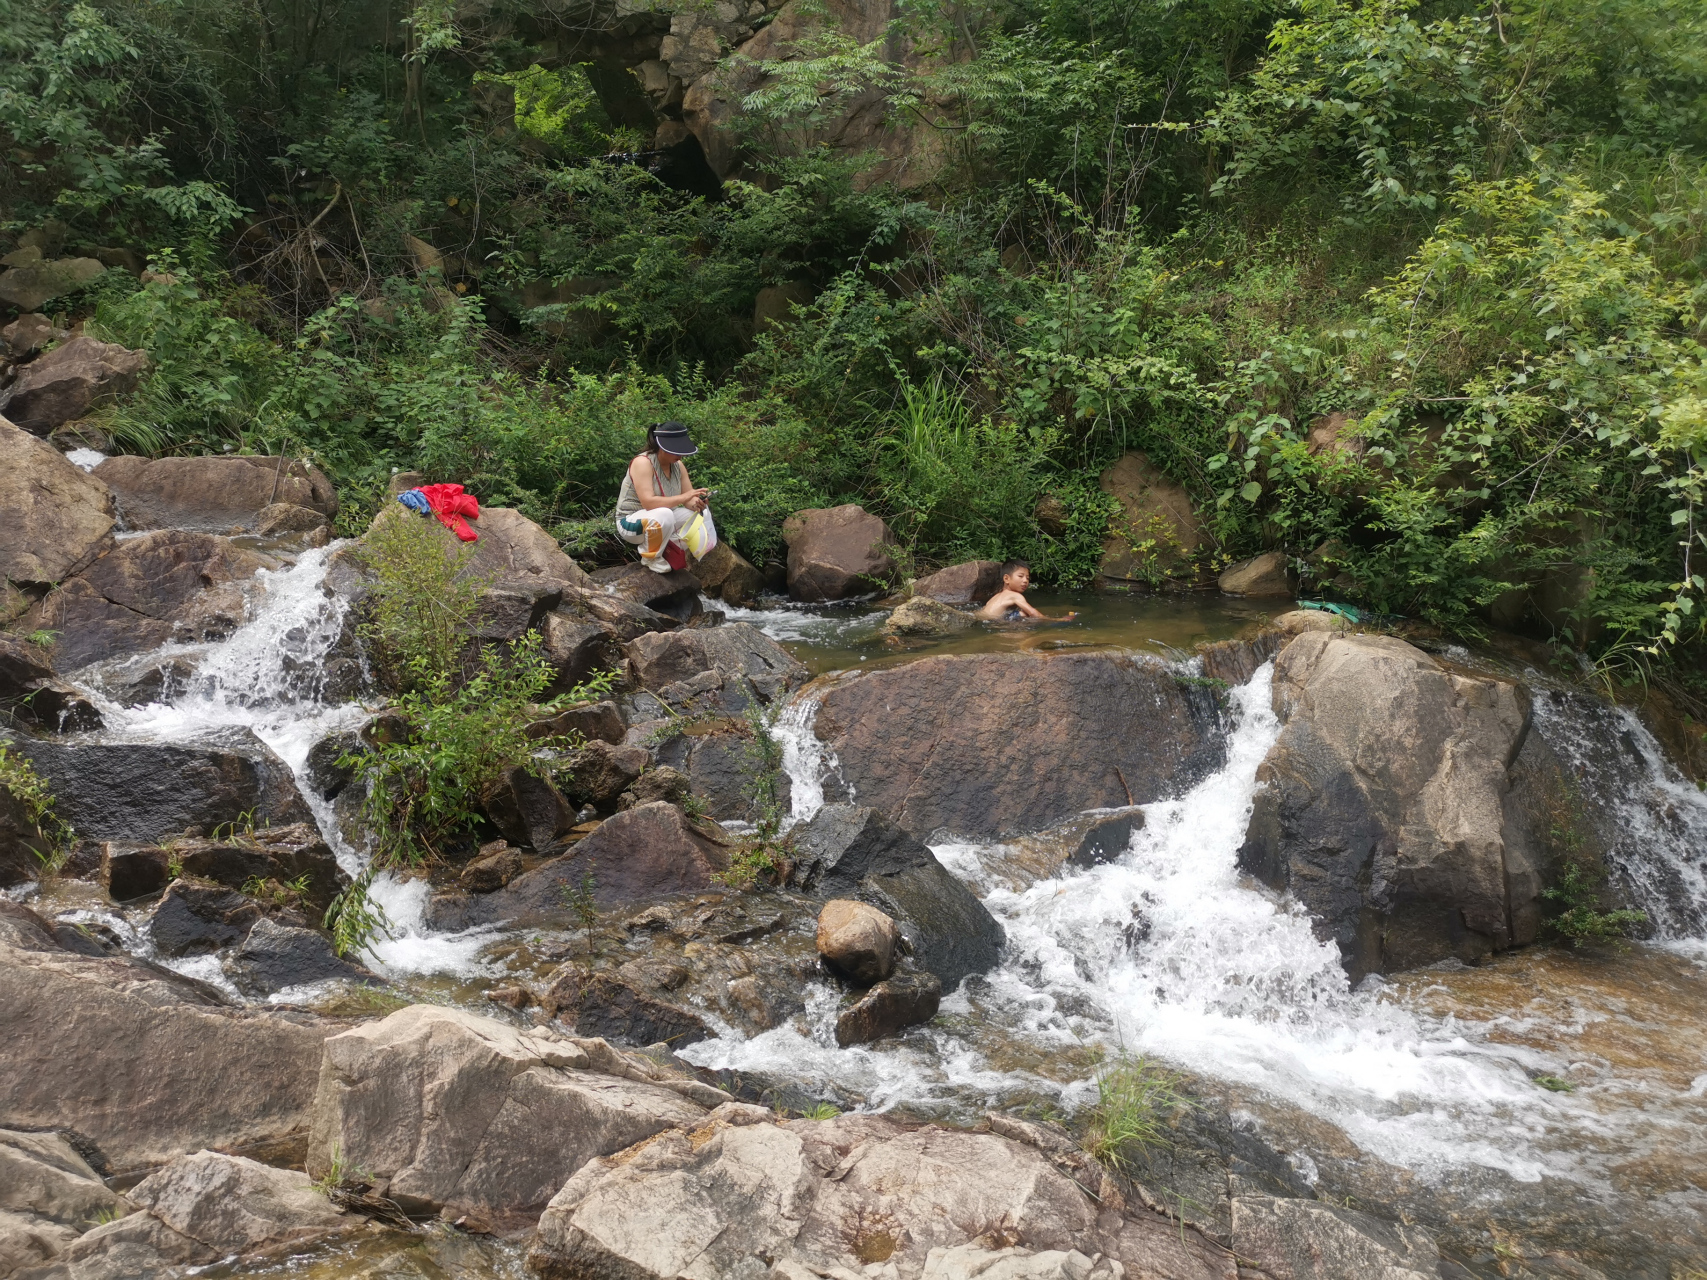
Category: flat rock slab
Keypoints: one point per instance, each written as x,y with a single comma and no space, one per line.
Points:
447,1110
991,745
140,1063
216,495
147,791
833,1197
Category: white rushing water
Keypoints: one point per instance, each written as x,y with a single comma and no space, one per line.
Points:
1169,952
269,676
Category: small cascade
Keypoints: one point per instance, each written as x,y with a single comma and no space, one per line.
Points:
1651,819
805,760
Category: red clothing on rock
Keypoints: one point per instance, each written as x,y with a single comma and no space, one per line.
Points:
450,504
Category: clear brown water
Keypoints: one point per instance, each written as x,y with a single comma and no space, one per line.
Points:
838,637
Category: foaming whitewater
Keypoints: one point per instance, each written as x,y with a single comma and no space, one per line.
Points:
269,676
1652,820
1170,953
813,624
805,760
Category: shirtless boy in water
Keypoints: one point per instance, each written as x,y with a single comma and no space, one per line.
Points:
1009,604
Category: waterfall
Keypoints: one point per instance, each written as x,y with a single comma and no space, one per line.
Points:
1650,818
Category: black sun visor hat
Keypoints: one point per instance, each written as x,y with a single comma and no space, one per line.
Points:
672,437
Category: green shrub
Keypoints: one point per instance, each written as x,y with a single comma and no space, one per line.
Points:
1577,917
422,599
27,787
1134,1099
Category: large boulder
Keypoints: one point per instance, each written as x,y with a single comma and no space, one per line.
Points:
970,583
857,940
70,380
990,745
164,586
647,852
29,284
923,616
600,772
447,1111
1398,803
837,552
855,852
726,575
722,767
215,494
194,918
743,1194
148,791
585,633
1264,575
1157,531
726,667
140,1064
57,517
516,551
528,810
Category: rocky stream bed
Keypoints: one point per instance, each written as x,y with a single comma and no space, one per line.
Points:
1301,866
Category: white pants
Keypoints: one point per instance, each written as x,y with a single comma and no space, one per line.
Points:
658,525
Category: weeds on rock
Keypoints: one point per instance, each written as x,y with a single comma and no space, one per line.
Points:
1134,1097
354,919
423,597
582,902
764,855
1579,919
282,893
19,777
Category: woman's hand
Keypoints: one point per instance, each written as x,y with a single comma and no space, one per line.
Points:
696,499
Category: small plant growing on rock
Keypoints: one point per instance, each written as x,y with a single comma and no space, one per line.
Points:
821,1111
582,902
19,777
1134,1097
283,893
354,919
1579,918
764,855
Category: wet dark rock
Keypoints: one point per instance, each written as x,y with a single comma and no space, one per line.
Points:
602,1004
195,917
853,851
858,941
32,694
87,938
140,681
529,810
1236,661
275,956
327,773
130,871
641,854
19,842
837,552
662,783
971,583
215,494
497,865
292,853
599,772
1311,1240
675,594
1107,838
906,1000
592,722
725,575
990,745
721,770
165,586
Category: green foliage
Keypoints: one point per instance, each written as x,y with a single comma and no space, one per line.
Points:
821,1111
463,735
354,919
30,791
1553,1084
580,899
423,597
284,893
1577,917
762,856
1134,1099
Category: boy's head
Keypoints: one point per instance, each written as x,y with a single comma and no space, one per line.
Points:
1016,575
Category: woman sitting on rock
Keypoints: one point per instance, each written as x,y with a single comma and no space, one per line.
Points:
659,510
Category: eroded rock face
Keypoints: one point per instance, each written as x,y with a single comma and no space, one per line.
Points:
148,791
741,661
853,851
237,1206
1157,529
444,1109
1389,804
215,494
834,1197
58,519
48,1197
164,586
1309,1240
119,1052
986,745
837,552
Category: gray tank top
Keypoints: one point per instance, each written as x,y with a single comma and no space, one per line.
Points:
628,501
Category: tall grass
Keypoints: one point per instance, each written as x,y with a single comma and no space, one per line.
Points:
1134,1099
